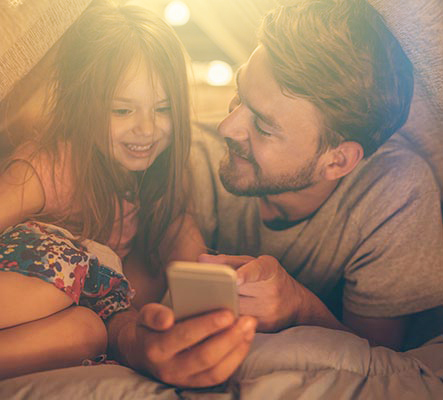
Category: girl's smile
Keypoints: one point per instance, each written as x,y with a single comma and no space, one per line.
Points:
139,150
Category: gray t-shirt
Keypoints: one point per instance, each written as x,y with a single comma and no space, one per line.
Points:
375,246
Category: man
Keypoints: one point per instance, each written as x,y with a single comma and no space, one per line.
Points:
340,222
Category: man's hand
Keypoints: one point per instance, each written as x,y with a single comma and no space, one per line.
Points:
266,290
277,300
197,352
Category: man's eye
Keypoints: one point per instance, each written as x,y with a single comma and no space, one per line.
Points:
121,111
260,130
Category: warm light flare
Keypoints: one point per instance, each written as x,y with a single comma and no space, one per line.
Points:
177,13
219,73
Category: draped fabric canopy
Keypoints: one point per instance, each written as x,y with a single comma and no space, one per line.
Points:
28,30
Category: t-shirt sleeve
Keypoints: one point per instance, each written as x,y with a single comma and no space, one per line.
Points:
397,268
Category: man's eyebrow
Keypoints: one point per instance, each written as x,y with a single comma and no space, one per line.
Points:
267,119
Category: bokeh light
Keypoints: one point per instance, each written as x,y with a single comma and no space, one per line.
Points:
219,73
177,13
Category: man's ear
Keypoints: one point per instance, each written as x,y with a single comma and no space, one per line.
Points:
341,160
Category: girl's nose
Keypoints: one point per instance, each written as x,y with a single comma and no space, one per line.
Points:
145,124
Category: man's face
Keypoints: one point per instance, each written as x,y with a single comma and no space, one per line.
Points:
272,138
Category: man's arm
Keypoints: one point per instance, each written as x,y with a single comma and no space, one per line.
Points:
389,332
278,301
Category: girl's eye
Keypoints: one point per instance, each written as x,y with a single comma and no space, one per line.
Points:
121,111
164,109
260,130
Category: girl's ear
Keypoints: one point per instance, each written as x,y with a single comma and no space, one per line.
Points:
340,161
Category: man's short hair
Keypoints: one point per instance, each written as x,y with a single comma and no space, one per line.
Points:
339,55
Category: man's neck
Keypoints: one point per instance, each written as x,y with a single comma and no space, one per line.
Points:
296,206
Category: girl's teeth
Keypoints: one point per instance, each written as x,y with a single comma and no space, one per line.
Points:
135,147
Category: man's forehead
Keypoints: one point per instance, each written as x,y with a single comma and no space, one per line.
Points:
259,91
251,101
243,67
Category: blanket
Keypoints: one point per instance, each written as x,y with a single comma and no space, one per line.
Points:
310,363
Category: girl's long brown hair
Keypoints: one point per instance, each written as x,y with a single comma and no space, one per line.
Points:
93,55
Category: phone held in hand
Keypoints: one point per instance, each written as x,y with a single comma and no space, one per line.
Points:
196,288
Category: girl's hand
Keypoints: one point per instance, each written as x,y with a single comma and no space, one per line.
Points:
197,352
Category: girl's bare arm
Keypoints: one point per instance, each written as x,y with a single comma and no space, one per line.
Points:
61,340
38,328
22,298
21,194
183,241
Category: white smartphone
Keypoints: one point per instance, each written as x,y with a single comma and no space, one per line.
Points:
196,288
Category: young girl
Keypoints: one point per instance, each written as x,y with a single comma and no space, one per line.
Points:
107,173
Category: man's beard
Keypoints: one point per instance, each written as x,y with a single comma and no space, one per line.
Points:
262,185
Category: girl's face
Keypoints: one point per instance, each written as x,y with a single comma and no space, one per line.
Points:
141,125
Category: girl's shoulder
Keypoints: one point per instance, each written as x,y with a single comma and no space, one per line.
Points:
53,168
42,157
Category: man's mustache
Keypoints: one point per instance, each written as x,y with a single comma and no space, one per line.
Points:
237,149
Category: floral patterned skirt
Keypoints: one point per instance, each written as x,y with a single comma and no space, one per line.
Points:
88,272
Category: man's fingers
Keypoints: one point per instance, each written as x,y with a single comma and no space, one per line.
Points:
156,316
213,361
190,332
160,346
223,370
233,261
259,269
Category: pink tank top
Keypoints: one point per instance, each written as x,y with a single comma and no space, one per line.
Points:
58,191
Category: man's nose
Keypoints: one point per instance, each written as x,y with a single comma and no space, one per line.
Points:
235,124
